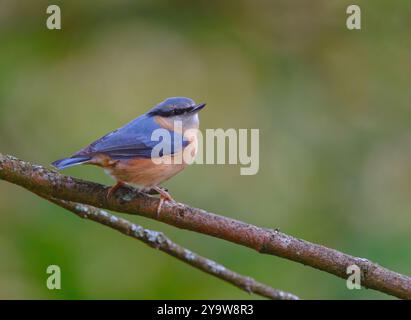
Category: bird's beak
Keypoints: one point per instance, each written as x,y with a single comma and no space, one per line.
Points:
198,107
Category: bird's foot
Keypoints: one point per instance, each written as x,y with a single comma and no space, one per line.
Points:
164,196
113,189
152,191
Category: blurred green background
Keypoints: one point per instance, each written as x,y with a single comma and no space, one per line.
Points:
332,106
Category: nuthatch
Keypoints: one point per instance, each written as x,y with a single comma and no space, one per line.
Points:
126,154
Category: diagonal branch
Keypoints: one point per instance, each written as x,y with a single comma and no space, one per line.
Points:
159,241
39,179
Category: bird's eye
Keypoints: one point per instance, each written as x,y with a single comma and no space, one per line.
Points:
177,112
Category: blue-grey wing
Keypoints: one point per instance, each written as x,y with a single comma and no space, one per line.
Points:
134,140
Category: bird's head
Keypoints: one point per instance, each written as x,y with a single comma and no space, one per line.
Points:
178,108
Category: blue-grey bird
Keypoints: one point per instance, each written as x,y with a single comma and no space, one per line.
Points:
126,154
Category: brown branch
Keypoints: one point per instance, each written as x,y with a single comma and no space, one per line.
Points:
39,179
159,241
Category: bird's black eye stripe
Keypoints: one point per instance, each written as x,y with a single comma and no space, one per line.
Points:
182,110
188,109
172,112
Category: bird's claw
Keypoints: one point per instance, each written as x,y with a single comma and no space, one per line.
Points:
164,196
113,189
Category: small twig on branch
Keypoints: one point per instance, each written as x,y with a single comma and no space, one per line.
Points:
39,179
159,241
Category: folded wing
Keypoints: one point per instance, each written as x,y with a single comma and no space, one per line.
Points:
134,140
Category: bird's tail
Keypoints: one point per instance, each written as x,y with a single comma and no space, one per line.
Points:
69,162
